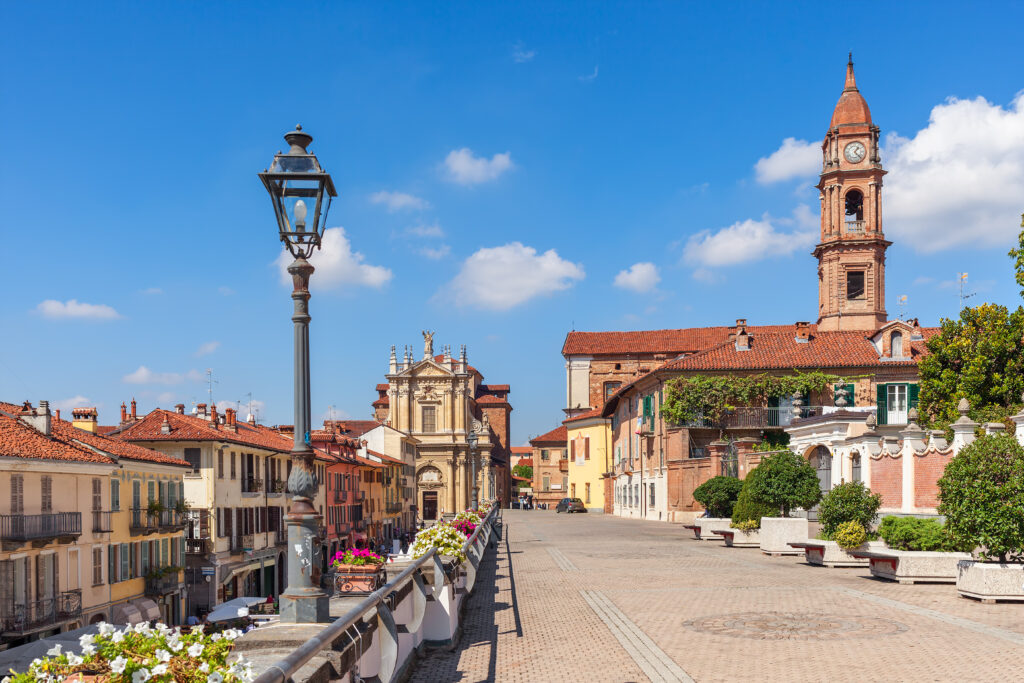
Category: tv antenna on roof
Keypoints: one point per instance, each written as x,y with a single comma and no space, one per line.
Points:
963,297
210,381
902,301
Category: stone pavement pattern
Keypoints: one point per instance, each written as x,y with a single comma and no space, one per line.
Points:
599,598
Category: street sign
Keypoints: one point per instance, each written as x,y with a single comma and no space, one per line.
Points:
209,571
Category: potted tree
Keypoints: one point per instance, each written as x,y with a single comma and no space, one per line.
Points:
981,494
784,481
847,514
718,496
744,527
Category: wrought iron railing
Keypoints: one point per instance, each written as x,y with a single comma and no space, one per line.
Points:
142,521
101,523
340,496
252,484
754,417
276,487
394,507
281,535
38,614
171,518
162,585
197,546
33,527
242,543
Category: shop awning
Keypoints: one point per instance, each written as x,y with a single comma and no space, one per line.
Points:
126,613
240,571
148,608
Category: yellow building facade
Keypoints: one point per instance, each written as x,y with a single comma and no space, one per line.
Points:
589,439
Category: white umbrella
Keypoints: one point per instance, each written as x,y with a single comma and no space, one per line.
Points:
234,609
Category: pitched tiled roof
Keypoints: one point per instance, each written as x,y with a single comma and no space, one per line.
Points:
781,351
189,428
673,342
386,458
18,440
355,428
491,388
520,449
487,398
381,402
596,412
526,462
557,435
383,387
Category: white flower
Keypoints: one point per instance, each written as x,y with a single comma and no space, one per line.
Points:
86,639
141,675
215,637
159,669
74,660
88,649
231,634
117,637
176,645
205,667
36,661
7,679
117,666
106,629
54,651
162,655
195,650
142,627
215,678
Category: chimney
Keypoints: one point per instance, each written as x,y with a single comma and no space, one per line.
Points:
916,334
124,413
213,414
165,426
58,413
803,332
179,408
229,419
84,418
251,419
742,338
741,323
133,408
39,419
201,410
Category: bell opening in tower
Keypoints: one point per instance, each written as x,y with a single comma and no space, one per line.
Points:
855,284
854,212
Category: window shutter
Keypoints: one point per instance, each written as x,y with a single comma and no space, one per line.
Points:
883,410
572,449
912,392
586,448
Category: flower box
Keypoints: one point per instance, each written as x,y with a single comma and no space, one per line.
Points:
912,566
735,538
703,527
778,532
990,581
829,554
351,579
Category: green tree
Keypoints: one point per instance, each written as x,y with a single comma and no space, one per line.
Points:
784,481
979,357
850,501
718,495
981,493
523,471
747,509
1018,256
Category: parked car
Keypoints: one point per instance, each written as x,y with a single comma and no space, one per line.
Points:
570,505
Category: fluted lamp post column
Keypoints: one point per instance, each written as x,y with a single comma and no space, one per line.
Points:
473,439
301,192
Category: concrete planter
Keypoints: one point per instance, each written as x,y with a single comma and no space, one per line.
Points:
829,554
778,532
703,527
734,538
991,581
912,566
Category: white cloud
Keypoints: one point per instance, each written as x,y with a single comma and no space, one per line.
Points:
466,169
146,376
500,278
794,159
589,78
750,240
207,348
520,55
640,278
436,254
706,276
399,201
66,405
432,230
337,266
165,398
72,308
959,181
334,413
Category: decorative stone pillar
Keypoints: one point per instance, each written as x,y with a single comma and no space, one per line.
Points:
963,428
744,448
716,451
1018,420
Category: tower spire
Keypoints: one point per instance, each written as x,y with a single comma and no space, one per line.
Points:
851,82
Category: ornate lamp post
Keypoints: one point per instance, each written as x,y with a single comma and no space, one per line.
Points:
301,192
472,438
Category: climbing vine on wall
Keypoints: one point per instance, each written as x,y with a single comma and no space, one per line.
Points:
712,397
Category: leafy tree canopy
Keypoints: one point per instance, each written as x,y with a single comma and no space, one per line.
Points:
784,481
523,471
1018,256
718,495
979,357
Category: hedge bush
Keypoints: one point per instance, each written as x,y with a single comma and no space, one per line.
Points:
850,501
915,533
784,480
747,509
850,535
718,495
981,494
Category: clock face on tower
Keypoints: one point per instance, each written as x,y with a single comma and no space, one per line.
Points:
854,152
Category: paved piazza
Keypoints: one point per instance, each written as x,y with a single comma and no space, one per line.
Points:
599,598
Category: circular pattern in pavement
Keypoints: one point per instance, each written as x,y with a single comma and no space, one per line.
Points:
795,626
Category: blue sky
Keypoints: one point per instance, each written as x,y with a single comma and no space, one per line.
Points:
498,168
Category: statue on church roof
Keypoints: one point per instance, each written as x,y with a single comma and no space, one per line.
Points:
428,344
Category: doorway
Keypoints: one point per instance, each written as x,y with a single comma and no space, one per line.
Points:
821,459
430,505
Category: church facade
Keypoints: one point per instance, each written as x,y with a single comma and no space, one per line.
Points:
441,401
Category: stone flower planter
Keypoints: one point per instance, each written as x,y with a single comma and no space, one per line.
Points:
991,581
354,579
703,527
734,538
912,566
778,532
829,554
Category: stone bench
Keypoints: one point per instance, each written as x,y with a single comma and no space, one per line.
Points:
734,538
703,527
912,566
829,554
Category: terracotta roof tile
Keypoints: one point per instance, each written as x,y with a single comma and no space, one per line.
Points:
596,412
557,435
386,458
526,462
671,342
521,449
189,428
487,398
18,440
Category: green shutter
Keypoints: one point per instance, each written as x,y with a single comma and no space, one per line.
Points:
912,391
883,409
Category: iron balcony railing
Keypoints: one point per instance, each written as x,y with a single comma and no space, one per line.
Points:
143,521
34,527
340,496
101,523
281,536
275,487
754,417
162,585
252,484
242,543
171,519
197,546
394,507
39,614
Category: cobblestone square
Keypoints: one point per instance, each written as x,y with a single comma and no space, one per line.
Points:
600,598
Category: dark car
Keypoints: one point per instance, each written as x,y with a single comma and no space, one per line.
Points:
570,505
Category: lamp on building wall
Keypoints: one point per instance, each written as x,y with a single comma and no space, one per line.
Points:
301,192
473,439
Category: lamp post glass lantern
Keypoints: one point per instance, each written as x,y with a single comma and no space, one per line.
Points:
301,193
472,439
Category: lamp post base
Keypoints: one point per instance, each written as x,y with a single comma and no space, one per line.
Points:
304,602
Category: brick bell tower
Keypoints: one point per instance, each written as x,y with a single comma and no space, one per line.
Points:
851,254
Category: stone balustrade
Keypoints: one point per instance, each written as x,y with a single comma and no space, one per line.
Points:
379,636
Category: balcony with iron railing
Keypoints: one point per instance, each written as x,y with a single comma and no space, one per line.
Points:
340,496
251,484
41,614
171,520
162,585
275,487
754,417
242,543
563,465
101,522
393,507
281,535
197,546
39,527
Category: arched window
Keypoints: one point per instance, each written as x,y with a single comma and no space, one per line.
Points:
854,211
896,344
855,467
